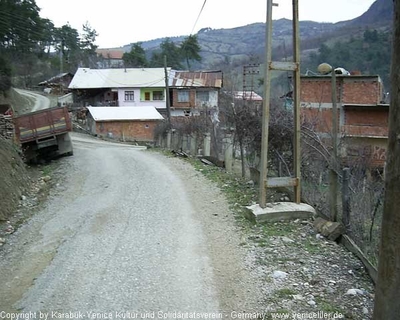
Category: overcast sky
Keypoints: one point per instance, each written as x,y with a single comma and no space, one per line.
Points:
120,22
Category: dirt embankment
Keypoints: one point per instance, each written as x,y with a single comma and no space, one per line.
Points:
14,178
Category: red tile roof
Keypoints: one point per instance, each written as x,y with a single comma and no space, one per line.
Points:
111,53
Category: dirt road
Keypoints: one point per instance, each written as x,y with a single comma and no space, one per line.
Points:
127,231
36,101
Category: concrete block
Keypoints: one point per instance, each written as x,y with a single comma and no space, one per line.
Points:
279,211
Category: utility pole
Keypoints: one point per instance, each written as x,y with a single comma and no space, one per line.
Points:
61,56
167,93
265,114
387,291
288,66
334,160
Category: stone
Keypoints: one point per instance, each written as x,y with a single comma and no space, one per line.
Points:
329,229
286,240
311,303
279,274
23,198
46,178
354,292
365,310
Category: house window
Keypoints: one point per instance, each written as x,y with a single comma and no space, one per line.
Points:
129,95
183,96
158,95
203,96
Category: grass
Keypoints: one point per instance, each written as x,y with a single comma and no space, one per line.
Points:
47,170
328,307
312,247
284,293
277,229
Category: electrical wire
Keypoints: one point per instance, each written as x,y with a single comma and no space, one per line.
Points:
198,17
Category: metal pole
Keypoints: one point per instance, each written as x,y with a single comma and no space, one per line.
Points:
265,118
296,101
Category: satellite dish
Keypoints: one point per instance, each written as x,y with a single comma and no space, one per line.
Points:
324,68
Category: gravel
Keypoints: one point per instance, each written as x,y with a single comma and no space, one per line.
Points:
127,231
132,231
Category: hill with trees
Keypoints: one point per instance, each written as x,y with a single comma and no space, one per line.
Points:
362,44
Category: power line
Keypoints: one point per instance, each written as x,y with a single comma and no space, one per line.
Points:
198,17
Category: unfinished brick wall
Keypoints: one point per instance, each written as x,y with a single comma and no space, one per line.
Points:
128,130
190,104
316,91
366,122
350,90
318,119
361,91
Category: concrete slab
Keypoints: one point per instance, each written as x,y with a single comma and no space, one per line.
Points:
279,211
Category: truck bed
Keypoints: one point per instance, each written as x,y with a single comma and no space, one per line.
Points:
42,124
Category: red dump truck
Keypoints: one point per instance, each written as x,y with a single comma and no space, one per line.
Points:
44,134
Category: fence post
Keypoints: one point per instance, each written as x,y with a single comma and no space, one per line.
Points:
169,138
333,193
346,198
207,144
174,142
193,148
228,152
185,143
160,140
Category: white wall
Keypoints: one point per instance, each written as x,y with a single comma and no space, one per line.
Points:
137,102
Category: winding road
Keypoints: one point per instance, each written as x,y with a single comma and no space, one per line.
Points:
37,101
127,231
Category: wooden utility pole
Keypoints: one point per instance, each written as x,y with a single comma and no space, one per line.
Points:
61,56
333,174
387,290
266,101
167,93
293,66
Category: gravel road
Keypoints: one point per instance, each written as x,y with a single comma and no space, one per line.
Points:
129,231
37,101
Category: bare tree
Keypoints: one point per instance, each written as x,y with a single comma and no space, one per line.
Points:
387,304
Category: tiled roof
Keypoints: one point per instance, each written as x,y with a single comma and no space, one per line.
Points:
111,53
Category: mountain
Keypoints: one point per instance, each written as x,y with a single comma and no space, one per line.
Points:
380,13
246,43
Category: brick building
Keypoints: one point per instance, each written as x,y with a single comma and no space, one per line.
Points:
123,123
193,92
362,115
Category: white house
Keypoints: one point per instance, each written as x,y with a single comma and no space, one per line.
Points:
125,87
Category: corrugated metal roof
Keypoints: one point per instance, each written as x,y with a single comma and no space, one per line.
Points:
210,79
86,78
247,95
124,113
57,77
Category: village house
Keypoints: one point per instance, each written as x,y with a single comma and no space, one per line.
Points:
123,123
58,84
110,58
362,114
126,87
249,97
192,93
